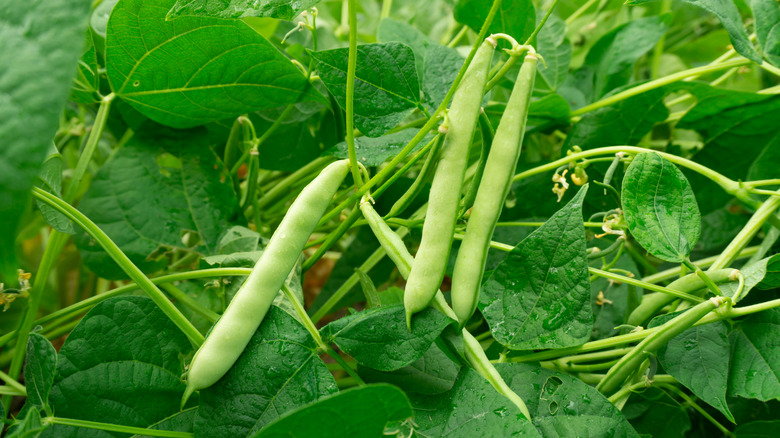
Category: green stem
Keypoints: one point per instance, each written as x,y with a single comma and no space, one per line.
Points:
673,273
502,72
350,98
628,389
308,324
541,23
703,276
576,14
459,36
124,262
89,149
11,382
116,428
188,301
645,285
283,187
387,6
658,51
657,83
345,225
430,124
698,408
11,392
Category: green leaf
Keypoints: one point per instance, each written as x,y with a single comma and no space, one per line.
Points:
433,373
386,83
50,179
699,359
626,122
30,427
393,30
653,412
763,274
767,16
375,151
39,368
728,14
539,296
755,357
562,405
86,84
122,362
358,412
161,184
40,40
757,429
279,371
660,208
282,9
472,408
553,45
610,62
181,422
378,337
515,17
195,70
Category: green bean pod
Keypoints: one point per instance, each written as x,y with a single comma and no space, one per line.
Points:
443,201
652,303
231,334
493,188
626,366
422,178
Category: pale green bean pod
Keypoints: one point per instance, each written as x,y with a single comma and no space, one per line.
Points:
443,201
493,188
233,331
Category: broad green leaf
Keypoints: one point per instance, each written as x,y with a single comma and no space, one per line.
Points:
699,359
610,62
386,83
619,299
660,208
123,363
433,373
378,337
39,368
720,226
472,408
755,357
291,146
282,9
653,412
728,14
195,70
391,29
757,429
763,274
358,412
515,17
626,122
50,179
161,184
40,44
86,84
279,371
562,405
767,16
539,296
762,167
555,47
375,151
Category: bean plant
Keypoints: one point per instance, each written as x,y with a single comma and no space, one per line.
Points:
210,211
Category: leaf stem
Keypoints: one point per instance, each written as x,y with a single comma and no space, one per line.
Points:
541,23
124,262
703,276
116,428
89,148
11,382
646,285
350,103
698,408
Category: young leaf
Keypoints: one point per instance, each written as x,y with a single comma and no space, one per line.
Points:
433,373
160,184
767,16
194,70
356,412
378,338
386,83
728,14
562,405
699,359
755,357
279,371
50,180
471,408
120,364
281,9
36,41
375,151
41,363
660,207
515,17
539,296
